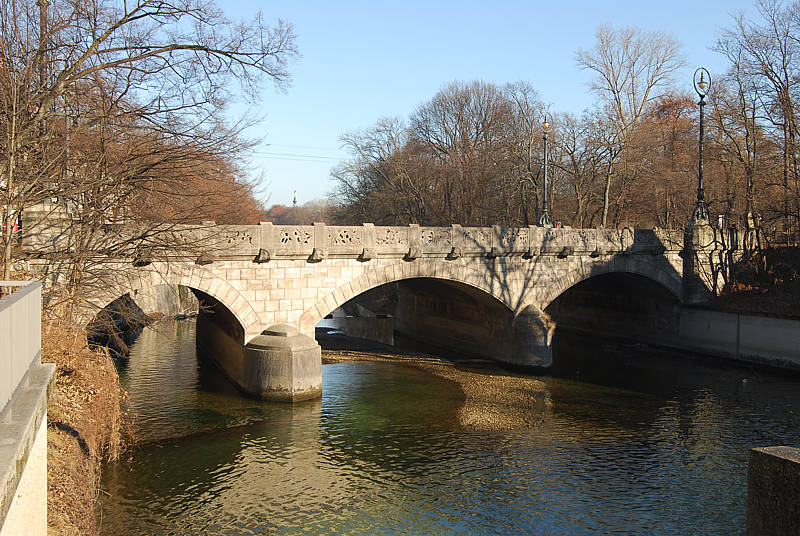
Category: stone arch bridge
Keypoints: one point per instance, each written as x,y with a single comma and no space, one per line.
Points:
275,282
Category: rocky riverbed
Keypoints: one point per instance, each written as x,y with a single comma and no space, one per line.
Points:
494,399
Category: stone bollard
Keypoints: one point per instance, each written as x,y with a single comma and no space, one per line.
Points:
773,491
282,364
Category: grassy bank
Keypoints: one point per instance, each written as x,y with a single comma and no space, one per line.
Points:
85,427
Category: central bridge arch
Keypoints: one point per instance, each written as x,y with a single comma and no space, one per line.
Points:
424,269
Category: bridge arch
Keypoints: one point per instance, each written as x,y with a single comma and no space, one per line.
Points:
189,275
661,272
419,269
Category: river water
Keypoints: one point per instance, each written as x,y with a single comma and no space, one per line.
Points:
635,442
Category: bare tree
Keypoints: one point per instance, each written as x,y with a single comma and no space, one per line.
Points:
140,86
766,57
631,68
116,113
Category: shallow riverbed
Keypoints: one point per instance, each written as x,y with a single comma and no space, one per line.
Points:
626,441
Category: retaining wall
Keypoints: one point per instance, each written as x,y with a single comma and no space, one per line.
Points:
763,339
25,387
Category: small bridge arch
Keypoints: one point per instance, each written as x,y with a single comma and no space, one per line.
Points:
188,275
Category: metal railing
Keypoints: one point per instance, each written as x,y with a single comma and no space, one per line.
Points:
20,336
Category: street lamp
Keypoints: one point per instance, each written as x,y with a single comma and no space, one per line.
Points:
702,84
544,219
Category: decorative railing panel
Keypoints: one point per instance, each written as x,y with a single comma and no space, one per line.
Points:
436,239
344,239
293,239
477,239
392,239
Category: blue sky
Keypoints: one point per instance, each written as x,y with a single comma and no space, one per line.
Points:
361,61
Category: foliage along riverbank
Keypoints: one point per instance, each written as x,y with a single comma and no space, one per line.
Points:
85,427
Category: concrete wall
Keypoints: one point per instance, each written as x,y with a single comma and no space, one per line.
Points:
23,415
370,328
773,492
754,338
28,511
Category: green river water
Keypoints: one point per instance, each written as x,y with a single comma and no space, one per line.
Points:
636,442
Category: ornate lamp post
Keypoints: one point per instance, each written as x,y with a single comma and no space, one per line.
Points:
702,84
544,219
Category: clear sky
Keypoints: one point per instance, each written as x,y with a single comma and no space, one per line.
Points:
361,61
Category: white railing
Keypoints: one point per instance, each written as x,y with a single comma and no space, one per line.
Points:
20,336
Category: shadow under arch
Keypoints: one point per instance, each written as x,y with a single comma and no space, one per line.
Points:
656,269
429,269
610,308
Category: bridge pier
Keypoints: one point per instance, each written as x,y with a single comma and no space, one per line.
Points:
532,334
282,364
279,364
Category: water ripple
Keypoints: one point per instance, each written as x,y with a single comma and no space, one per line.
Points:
383,453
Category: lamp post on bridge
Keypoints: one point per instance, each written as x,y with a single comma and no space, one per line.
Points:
544,219
702,85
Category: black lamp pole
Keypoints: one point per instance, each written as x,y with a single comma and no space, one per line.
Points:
544,219
702,84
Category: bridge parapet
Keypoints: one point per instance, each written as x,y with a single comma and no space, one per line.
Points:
316,242
208,242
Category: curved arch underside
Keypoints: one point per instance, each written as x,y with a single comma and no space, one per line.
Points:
437,270
191,276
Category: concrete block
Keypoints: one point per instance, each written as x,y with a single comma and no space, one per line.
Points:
347,288
314,282
330,303
339,296
329,283
773,491
277,294
291,293
321,310
308,293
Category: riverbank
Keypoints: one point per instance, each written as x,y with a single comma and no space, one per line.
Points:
494,399
84,428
